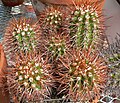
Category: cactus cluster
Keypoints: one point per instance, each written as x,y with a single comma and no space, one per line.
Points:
66,61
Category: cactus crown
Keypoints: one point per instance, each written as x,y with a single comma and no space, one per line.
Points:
54,18
30,77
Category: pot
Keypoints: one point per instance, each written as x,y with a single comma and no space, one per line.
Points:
39,5
4,95
12,3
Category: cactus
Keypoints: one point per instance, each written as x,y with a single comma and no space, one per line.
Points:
57,44
21,34
112,57
30,80
85,23
51,19
86,75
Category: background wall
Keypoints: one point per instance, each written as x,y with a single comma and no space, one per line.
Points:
112,9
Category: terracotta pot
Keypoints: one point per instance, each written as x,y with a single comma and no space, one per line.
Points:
4,95
39,5
12,2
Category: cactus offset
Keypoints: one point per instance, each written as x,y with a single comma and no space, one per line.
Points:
112,56
57,44
30,78
86,75
21,35
85,23
51,18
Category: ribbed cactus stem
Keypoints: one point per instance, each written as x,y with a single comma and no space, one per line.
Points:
21,34
29,75
51,18
87,23
57,47
25,36
86,74
30,78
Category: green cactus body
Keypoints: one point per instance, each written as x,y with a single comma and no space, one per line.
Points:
82,79
21,35
86,74
57,47
29,75
87,23
54,18
51,19
25,37
30,79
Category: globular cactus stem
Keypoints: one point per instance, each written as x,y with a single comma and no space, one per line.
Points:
30,79
51,19
57,44
21,35
86,76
